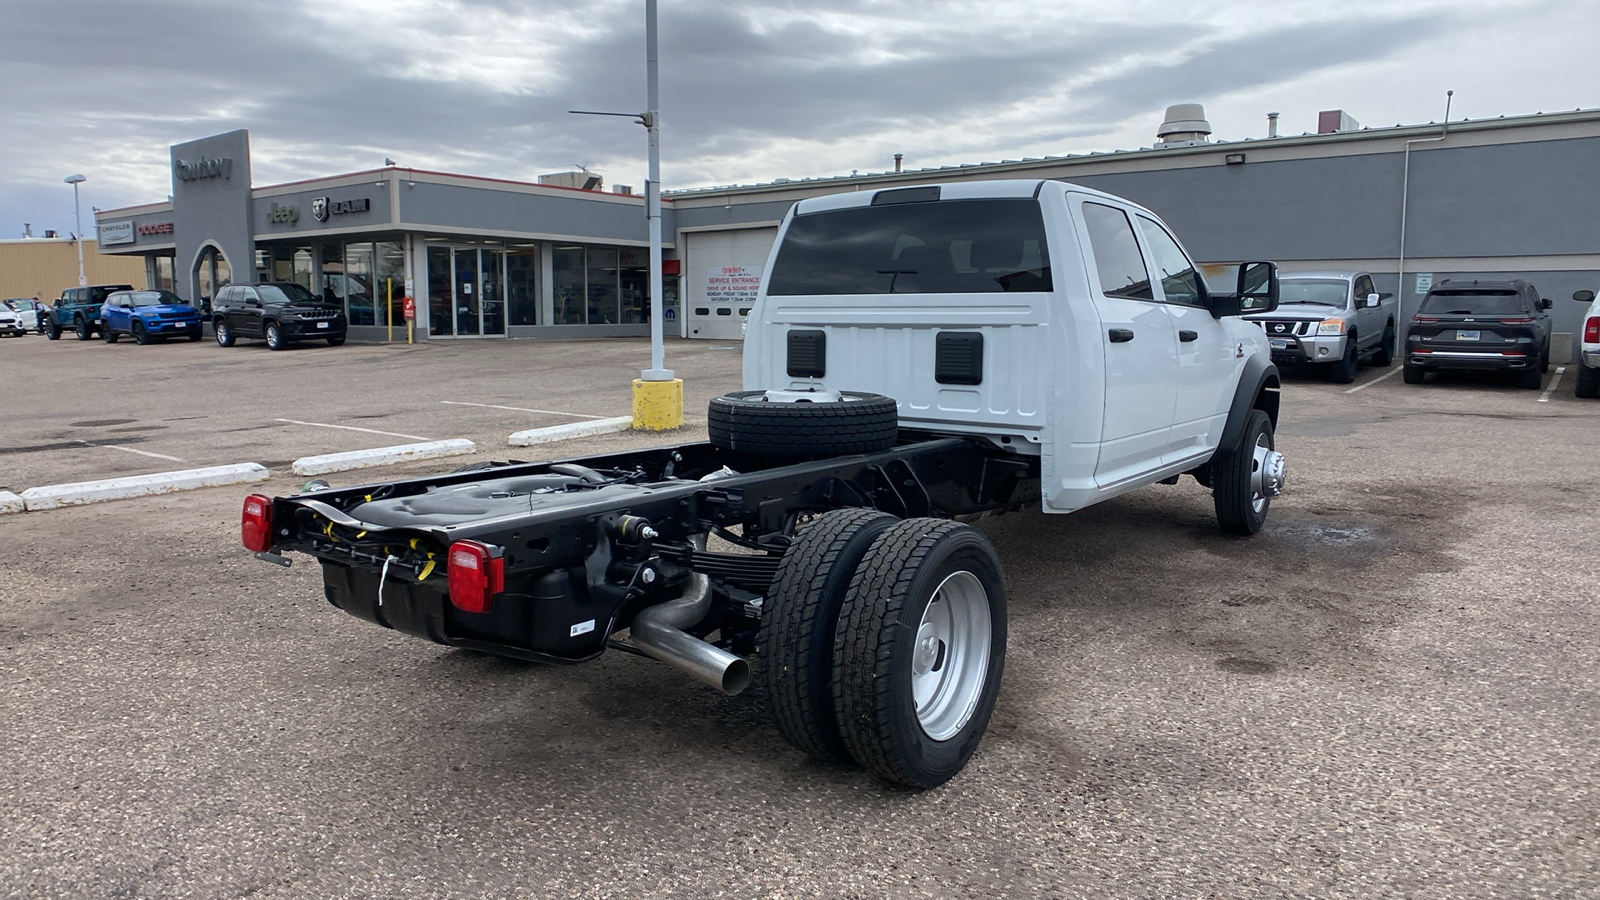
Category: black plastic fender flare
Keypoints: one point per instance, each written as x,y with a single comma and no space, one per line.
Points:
1259,377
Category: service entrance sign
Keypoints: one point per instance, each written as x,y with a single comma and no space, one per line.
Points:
732,285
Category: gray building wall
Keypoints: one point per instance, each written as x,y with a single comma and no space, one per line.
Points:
550,214
214,208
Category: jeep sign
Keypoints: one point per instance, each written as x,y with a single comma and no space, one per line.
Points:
283,215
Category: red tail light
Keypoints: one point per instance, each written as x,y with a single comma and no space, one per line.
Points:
1512,353
1424,320
1591,330
475,576
1421,349
1522,321
255,525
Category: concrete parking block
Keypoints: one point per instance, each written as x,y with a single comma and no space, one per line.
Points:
11,503
381,456
81,492
555,433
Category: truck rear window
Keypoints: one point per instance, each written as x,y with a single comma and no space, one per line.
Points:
1473,303
945,247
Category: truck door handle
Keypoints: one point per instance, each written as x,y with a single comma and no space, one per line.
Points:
1120,335
1187,336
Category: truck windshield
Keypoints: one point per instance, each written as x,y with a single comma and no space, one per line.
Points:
285,293
1332,293
949,246
1472,303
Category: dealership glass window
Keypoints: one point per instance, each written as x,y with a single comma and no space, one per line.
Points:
439,311
633,271
357,284
213,273
164,279
492,299
304,268
567,263
602,284
389,281
331,286
522,282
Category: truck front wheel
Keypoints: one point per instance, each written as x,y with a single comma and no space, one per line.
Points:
919,650
798,619
1246,477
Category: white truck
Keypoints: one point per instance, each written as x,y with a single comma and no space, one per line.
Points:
916,357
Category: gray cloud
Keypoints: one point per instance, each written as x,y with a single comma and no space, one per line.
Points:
103,86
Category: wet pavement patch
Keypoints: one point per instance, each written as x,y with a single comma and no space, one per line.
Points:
1243,665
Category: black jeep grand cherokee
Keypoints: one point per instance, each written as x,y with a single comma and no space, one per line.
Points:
1487,325
279,312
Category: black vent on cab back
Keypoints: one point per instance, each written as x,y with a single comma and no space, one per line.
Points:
808,354
958,357
906,195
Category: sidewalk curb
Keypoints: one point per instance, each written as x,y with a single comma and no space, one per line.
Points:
381,456
81,492
555,433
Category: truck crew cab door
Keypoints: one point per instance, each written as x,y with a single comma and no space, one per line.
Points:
1139,341
1207,358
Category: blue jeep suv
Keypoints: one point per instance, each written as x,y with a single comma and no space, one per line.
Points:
148,316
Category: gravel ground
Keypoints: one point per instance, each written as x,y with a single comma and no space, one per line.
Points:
1391,692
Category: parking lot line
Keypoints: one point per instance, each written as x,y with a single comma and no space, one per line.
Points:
414,437
1374,381
1545,397
548,412
131,450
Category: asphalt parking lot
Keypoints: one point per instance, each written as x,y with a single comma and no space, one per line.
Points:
1389,692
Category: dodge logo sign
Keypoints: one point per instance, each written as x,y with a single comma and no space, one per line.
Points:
319,209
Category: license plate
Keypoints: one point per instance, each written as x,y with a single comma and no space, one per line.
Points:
322,324
1467,335
1278,343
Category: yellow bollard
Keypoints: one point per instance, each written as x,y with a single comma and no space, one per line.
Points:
657,405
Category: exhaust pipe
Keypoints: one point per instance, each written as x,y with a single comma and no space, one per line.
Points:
658,631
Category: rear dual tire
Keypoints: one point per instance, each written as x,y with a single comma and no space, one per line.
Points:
883,641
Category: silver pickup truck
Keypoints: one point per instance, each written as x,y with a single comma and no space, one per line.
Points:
1332,319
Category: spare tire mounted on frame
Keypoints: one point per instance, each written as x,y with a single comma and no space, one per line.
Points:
803,423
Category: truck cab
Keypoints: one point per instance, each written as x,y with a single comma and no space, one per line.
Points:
1051,319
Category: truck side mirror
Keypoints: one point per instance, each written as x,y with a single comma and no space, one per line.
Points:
1256,291
1583,296
1545,304
1373,300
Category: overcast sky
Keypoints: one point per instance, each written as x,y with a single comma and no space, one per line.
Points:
751,90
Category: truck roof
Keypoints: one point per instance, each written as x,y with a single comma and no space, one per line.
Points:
951,190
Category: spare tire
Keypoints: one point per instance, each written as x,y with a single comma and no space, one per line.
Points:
753,422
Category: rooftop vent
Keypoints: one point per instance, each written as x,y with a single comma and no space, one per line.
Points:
1330,121
1185,124
586,180
622,189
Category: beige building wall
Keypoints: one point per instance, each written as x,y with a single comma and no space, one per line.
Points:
44,267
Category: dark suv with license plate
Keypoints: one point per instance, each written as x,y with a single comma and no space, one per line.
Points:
281,313
1499,326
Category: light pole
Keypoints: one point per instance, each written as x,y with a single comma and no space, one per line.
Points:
657,393
77,219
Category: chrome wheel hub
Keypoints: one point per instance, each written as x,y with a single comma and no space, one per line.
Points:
1268,469
950,662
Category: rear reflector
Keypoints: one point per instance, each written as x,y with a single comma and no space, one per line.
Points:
476,575
1591,330
255,525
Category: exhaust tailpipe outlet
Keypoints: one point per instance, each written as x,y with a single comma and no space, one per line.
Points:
658,632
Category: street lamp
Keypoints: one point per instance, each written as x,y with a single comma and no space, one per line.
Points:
77,219
657,393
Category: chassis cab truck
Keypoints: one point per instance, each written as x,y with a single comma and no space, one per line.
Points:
916,357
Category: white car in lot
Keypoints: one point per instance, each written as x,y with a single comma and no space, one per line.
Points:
1589,347
17,320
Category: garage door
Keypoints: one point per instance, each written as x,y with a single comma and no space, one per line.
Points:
721,273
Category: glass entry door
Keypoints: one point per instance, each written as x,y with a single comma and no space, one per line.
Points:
471,281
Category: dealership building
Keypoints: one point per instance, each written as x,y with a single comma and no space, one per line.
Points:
489,258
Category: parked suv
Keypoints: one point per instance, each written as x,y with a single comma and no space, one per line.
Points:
1500,326
1589,347
11,321
1330,319
25,311
279,312
79,310
148,316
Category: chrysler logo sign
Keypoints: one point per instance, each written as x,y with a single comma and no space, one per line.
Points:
322,207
